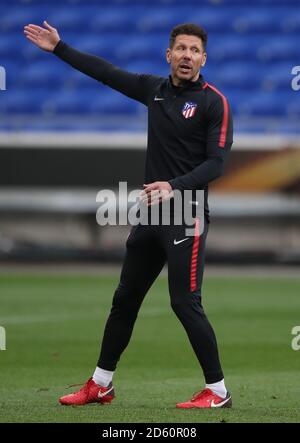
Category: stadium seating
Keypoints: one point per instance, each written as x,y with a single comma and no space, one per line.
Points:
251,52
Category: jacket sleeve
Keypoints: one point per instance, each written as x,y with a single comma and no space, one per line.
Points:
219,142
135,86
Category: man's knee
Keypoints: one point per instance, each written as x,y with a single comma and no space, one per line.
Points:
127,300
185,305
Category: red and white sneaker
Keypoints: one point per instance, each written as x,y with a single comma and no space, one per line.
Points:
207,399
89,393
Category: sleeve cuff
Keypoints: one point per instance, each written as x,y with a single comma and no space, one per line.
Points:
59,48
174,184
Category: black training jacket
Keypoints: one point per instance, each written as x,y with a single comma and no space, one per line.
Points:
189,127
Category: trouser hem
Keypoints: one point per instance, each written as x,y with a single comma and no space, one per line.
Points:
213,377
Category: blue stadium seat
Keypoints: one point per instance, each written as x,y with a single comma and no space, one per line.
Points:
263,20
111,102
293,107
251,51
235,97
64,101
217,19
276,76
162,19
46,73
240,75
231,48
75,80
146,48
115,19
76,18
148,67
290,23
29,52
14,19
291,3
279,48
13,71
98,44
23,101
265,104
258,2
8,46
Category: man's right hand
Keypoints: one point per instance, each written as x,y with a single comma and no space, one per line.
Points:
45,38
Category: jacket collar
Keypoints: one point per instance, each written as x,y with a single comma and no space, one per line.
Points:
189,84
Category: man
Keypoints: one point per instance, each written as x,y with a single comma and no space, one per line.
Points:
189,138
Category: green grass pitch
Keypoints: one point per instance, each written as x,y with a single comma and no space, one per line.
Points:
54,325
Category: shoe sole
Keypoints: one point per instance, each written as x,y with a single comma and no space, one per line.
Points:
102,402
88,403
228,404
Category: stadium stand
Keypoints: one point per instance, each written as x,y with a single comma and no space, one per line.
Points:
64,136
251,53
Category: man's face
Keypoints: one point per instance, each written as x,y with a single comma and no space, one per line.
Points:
186,57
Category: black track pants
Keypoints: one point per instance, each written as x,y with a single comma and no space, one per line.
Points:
147,250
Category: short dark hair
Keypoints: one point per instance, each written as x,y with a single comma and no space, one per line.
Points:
188,29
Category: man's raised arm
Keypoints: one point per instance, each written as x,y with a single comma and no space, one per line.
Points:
136,86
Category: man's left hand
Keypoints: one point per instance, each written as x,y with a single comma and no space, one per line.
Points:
156,192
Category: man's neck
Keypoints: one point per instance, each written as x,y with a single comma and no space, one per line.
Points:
181,83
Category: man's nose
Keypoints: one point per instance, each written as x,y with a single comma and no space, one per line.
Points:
187,55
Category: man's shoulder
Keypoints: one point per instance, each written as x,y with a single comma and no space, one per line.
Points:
214,93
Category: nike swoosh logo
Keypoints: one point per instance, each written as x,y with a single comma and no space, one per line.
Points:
176,242
218,405
156,99
103,394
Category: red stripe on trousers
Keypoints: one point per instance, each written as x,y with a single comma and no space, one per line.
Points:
224,126
195,251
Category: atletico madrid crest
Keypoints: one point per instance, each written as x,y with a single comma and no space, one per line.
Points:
189,109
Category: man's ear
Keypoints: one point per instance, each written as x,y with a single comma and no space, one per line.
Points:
168,55
204,59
